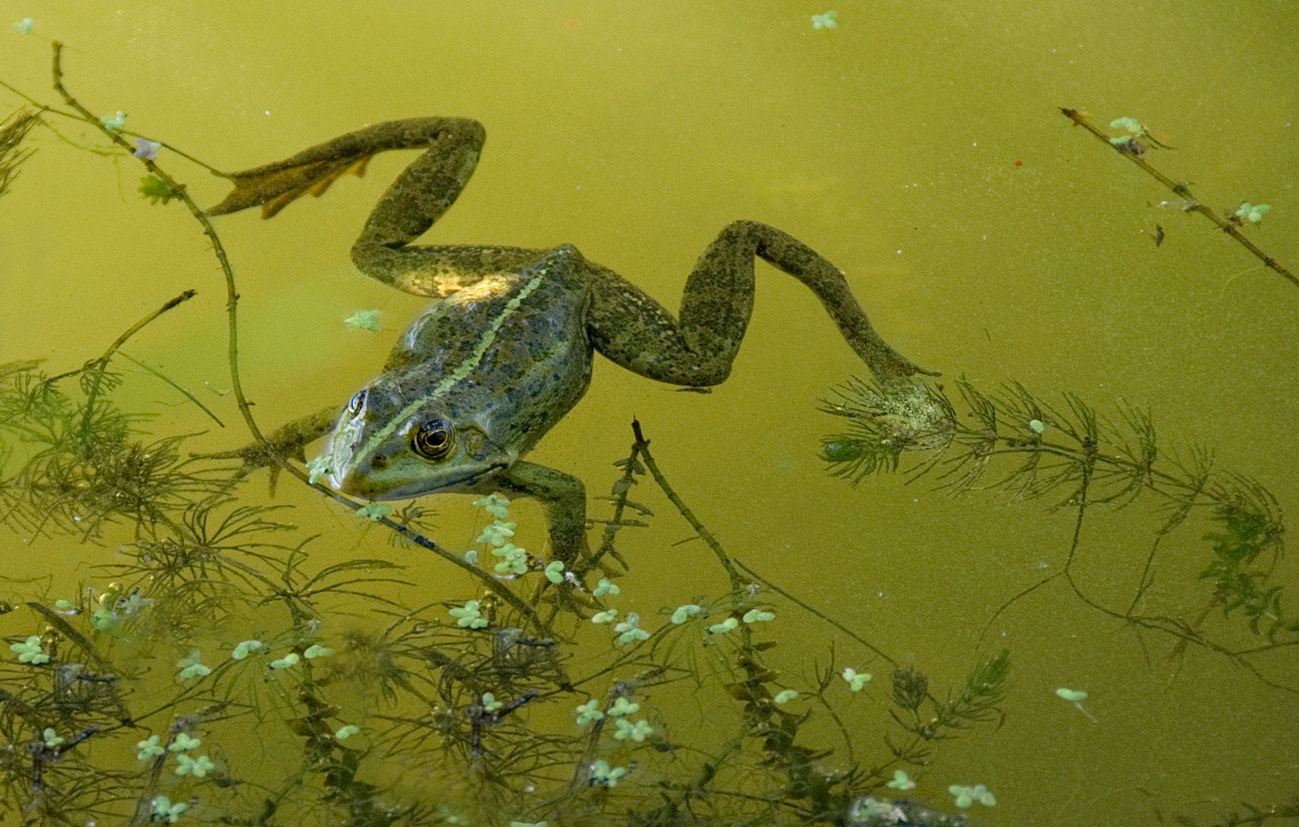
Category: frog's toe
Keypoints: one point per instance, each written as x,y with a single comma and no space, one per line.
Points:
249,464
895,365
257,456
273,480
275,187
246,454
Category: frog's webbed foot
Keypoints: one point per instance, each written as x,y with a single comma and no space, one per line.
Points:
275,186
453,145
289,441
418,197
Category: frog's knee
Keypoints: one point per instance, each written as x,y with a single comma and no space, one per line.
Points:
705,374
567,254
741,228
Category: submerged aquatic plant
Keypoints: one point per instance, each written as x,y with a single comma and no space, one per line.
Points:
207,591
84,464
13,130
1018,444
220,628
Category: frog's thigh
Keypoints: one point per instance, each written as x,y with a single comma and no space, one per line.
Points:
564,498
429,185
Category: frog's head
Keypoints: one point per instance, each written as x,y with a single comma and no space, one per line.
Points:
386,447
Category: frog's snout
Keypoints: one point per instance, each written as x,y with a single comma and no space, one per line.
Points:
361,478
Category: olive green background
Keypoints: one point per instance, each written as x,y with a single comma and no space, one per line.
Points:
918,145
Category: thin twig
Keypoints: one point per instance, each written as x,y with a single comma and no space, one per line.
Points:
232,294
807,607
101,364
642,446
1182,190
183,391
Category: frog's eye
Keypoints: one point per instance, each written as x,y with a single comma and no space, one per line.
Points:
356,403
433,439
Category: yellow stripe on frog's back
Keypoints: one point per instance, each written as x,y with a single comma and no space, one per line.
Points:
482,290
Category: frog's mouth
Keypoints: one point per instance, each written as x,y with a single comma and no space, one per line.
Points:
371,487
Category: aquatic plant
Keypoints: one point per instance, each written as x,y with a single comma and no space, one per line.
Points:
531,696
13,129
1251,212
363,320
828,20
1015,443
474,671
156,190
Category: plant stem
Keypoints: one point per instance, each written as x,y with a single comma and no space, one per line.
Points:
642,446
1182,190
232,294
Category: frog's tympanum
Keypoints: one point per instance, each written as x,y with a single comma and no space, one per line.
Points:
506,349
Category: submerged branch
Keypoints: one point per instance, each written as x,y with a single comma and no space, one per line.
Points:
1193,204
1087,460
642,446
218,249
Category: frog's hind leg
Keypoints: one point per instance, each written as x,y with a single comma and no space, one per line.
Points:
418,197
633,330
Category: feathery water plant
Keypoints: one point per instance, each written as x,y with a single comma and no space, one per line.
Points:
1016,443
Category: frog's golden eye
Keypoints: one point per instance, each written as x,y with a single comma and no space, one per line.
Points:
433,439
356,403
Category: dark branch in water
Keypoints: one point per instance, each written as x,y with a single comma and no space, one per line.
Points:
642,447
1193,204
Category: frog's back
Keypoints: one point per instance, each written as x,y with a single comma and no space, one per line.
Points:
509,351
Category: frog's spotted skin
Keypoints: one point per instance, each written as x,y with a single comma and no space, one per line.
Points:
526,365
481,375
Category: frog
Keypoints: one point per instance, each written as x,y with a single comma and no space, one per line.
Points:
504,350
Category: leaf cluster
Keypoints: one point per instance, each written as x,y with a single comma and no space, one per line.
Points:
13,130
1248,530
927,718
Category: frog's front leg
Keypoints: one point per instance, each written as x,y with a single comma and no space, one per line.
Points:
418,197
564,499
289,440
633,330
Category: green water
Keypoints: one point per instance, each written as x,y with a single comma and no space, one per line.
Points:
920,147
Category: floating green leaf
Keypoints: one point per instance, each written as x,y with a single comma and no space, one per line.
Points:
155,189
